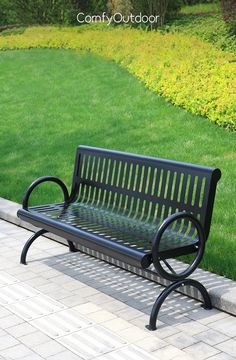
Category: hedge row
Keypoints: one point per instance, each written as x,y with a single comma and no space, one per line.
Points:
187,71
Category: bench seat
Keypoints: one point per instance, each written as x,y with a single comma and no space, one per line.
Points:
111,233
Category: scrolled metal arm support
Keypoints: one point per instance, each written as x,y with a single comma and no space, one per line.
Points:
172,287
180,278
25,207
155,247
41,180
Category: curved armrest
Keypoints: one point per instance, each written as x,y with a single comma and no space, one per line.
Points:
41,180
165,224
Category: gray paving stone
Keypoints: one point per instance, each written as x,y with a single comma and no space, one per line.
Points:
164,330
34,339
181,340
7,341
87,308
34,356
201,350
16,352
4,312
151,343
59,294
37,282
140,321
134,334
222,356
3,332
174,319
49,348
192,327
229,347
72,285
227,326
49,287
86,292
60,280
128,353
116,324
9,321
207,317
129,313
114,306
101,316
26,276
168,352
65,355
211,337
73,300
99,298
21,330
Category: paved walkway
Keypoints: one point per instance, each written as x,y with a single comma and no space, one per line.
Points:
71,306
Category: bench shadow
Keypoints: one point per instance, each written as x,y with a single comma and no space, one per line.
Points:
131,289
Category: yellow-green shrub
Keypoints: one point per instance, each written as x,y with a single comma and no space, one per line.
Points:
184,69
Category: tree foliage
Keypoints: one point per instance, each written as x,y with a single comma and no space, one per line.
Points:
124,7
64,11
229,13
38,11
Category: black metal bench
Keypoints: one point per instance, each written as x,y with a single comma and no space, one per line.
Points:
136,209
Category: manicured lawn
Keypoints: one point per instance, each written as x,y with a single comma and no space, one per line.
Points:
53,100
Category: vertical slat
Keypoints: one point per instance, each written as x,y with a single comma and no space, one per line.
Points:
138,180
183,193
177,184
95,169
170,185
121,176
90,167
196,181
190,190
117,173
112,163
205,184
135,176
132,175
198,191
126,183
151,179
105,170
84,165
144,180
161,190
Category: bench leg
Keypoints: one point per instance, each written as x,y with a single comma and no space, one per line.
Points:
161,298
28,244
72,246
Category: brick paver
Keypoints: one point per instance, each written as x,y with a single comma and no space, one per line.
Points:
72,306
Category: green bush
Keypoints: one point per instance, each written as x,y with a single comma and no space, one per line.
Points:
211,28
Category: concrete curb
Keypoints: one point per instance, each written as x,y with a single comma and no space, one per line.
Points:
221,289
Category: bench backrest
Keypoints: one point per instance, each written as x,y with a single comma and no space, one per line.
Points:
144,188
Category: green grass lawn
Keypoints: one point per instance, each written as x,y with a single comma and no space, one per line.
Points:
53,100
